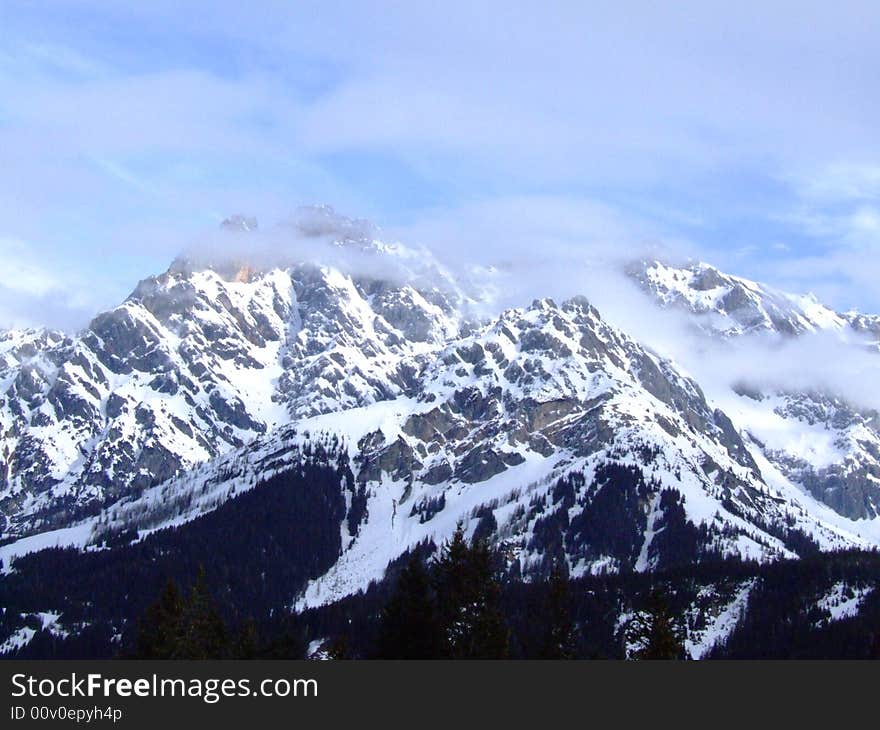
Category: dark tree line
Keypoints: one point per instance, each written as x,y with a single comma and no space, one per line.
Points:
191,626
260,548
654,633
178,627
451,609
264,545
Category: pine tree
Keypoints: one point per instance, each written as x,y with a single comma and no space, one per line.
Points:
655,632
468,597
409,625
159,626
559,640
202,633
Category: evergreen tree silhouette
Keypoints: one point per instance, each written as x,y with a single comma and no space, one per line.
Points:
655,632
559,640
468,597
410,628
202,633
159,626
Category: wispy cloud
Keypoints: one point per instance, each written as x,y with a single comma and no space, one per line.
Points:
122,119
31,294
841,183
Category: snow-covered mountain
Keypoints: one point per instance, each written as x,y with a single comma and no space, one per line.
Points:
818,438
732,305
368,379
198,361
543,427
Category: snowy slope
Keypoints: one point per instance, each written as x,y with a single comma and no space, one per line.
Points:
198,361
822,441
496,419
732,305
544,428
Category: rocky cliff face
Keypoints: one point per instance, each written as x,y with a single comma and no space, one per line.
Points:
198,361
817,438
730,305
543,428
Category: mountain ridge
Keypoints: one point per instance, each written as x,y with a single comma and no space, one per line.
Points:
210,363
225,386
822,440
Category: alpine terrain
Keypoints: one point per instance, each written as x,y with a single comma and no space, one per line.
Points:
298,425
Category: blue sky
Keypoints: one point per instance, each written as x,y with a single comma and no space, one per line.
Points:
743,135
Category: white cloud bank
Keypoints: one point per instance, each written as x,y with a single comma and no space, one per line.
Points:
126,128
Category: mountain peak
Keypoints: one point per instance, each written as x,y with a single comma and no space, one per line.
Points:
240,223
322,221
732,305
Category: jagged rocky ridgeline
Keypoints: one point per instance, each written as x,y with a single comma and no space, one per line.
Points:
826,443
540,426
